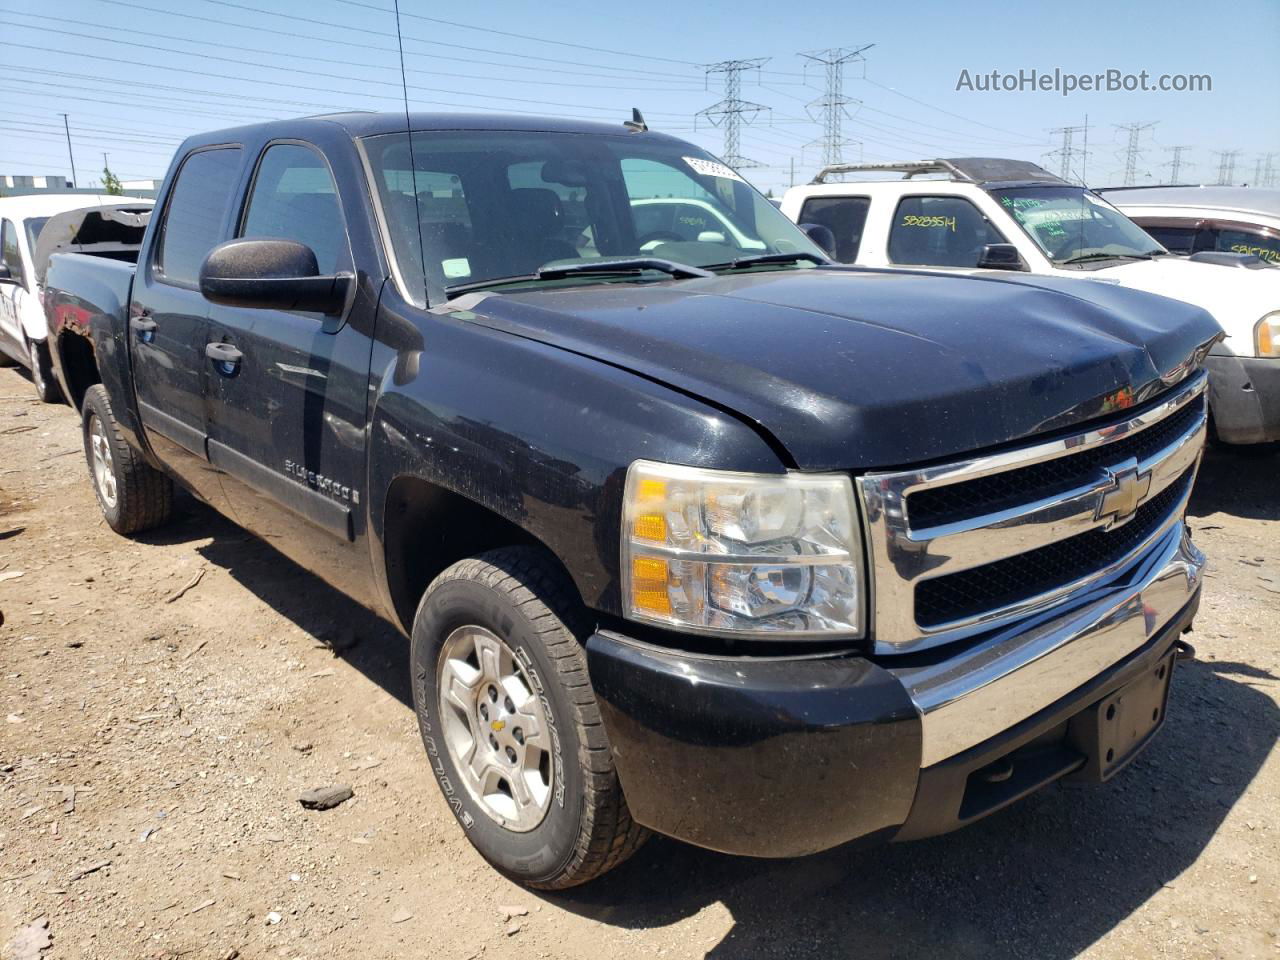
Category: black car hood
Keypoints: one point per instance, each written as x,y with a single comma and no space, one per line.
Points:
856,368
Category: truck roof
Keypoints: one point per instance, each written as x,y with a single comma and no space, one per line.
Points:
371,124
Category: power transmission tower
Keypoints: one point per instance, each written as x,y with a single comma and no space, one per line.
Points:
833,104
1132,152
1177,163
1067,153
733,111
1226,166
1269,172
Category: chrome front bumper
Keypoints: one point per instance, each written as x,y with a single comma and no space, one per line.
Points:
1006,678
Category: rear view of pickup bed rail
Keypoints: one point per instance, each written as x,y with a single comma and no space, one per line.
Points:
690,530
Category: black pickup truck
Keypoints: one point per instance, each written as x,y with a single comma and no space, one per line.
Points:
691,530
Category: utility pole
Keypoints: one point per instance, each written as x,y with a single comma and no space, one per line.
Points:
66,125
1067,152
1132,153
833,104
792,182
1177,163
733,111
1226,166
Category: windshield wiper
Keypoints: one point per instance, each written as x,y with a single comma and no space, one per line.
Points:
622,267
741,263
1107,256
681,271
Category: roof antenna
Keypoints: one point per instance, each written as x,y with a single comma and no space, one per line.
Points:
413,166
636,124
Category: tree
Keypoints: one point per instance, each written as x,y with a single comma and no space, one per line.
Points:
111,183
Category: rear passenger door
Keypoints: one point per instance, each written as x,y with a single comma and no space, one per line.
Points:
168,317
287,411
845,217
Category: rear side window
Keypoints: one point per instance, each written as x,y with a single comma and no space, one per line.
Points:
939,231
843,216
294,198
195,213
1173,239
9,251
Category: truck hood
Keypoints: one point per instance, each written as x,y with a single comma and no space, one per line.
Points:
851,368
1236,298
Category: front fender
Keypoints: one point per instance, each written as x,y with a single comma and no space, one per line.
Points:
538,435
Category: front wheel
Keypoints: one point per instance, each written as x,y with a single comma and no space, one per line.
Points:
511,724
46,385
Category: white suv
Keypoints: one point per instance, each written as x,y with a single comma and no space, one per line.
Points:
987,214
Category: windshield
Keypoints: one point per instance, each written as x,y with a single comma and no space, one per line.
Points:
499,204
1071,224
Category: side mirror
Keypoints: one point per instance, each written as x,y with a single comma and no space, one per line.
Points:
1001,256
822,236
6,275
272,275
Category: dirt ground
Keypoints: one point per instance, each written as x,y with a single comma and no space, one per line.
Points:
188,725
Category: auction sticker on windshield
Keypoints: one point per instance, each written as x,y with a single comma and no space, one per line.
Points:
709,168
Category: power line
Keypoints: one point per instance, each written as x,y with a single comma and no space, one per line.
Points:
44,29
1177,163
519,36
733,111
923,103
833,104
1226,166
1068,151
1132,152
303,86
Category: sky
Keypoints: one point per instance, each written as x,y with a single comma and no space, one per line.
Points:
136,76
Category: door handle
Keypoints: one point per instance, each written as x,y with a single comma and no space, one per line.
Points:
144,327
225,356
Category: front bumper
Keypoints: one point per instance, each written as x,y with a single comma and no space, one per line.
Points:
779,757
1244,398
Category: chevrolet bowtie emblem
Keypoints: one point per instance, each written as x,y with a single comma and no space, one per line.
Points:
498,726
1127,489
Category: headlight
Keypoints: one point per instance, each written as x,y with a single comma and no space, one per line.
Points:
741,553
1266,335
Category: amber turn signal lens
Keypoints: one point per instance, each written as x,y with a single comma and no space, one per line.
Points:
649,585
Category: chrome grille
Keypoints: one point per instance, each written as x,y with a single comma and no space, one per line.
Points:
966,547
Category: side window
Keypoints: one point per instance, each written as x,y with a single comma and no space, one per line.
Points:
939,231
9,251
1174,239
194,214
843,216
294,198
1245,241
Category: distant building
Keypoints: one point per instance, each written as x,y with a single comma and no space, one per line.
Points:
21,185
27,183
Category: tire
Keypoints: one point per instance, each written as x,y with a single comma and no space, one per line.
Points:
134,496
42,377
518,597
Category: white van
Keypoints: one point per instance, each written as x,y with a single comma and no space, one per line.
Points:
33,228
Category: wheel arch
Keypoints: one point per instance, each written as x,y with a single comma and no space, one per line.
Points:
427,527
